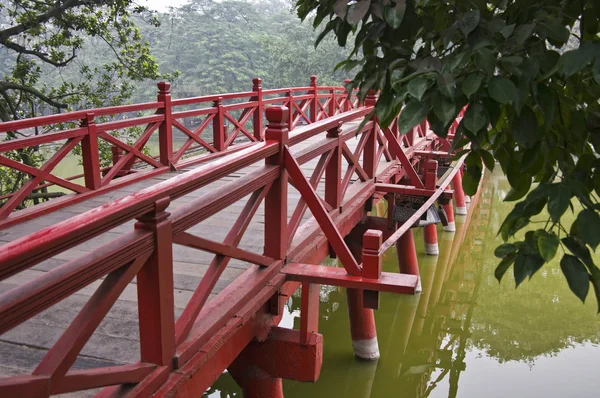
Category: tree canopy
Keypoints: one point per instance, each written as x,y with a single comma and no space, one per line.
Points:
529,72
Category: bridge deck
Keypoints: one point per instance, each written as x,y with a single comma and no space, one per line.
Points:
116,341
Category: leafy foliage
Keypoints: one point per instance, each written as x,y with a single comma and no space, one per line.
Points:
529,71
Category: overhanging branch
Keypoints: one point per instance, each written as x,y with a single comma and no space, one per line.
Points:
14,86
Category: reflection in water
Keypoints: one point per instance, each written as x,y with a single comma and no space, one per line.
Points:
466,335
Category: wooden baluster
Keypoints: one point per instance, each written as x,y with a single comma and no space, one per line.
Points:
314,106
155,290
290,120
332,104
372,260
90,154
276,199
370,151
165,131
218,122
257,117
333,172
309,311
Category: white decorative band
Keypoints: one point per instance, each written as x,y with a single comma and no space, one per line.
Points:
451,227
461,211
366,349
467,199
432,249
419,288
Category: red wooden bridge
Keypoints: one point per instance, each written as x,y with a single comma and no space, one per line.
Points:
159,271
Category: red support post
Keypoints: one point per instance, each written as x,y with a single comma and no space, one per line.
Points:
407,255
333,172
165,131
362,320
314,106
370,151
430,231
449,208
90,154
277,198
372,261
218,123
257,117
459,195
156,303
309,312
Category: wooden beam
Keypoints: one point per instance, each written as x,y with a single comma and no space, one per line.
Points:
410,190
324,275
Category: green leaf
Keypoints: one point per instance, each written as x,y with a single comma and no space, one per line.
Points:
547,244
574,61
394,15
444,109
475,118
468,22
502,90
504,266
508,30
526,264
472,84
577,276
525,129
559,201
596,70
488,159
505,249
418,86
588,226
523,32
358,11
412,114
555,31
471,179
485,61
578,249
446,84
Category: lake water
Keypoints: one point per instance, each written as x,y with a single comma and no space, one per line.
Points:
466,335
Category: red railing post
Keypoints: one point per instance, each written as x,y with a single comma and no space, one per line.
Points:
314,106
290,120
372,261
332,103
333,172
155,290
370,152
218,122
165,131
430,237
348,100
257,117
89,153
276,199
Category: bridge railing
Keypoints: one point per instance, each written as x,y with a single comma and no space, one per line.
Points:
143,140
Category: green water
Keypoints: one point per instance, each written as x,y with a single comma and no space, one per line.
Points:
465,335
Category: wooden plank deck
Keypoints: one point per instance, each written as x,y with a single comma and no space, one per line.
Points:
116,341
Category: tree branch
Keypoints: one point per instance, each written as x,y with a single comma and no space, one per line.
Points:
39,54
14,86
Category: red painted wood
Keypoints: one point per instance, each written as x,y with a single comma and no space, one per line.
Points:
321,215
309,312
217,266
155,290
372,261
398,152
277,197
218,125
221,249
59,359
257,115
333,173
412,191
165,133
324,275
89,153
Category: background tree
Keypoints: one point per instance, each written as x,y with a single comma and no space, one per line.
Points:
532,105
39,40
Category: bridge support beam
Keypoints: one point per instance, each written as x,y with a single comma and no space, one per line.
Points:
260,367
449,209
362,320
459,195
407,256
431,240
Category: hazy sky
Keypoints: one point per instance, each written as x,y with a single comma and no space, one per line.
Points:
161,5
